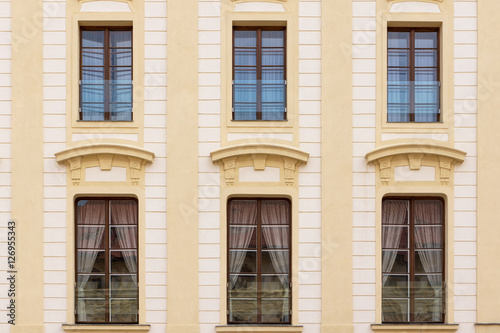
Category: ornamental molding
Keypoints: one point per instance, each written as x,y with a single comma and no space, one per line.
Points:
105,153
76,328
415,152
291,158
431,1
275,1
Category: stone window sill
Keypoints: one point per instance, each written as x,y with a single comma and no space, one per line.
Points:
258,329
105,328
414,328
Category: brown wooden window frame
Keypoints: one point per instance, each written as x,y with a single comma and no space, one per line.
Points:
259,249
411,66
258,48
107,67
412,257
107,261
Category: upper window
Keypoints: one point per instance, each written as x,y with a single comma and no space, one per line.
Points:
259,74
106,261
259,261
106,74
413,93
412,260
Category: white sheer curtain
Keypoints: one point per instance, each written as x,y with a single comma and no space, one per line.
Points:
428,236
89,237
242,213
394,212
125,212
276,212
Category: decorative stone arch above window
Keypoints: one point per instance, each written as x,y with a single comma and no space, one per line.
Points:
414,155
105,156
262,155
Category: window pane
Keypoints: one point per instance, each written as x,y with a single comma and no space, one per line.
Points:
124,286
428,261
275,261
243,211
245,38
91,286
121,112
89,261
426,40
121,57
425,58
123,310
91,212
428,237
92,38
121,75
428,310
275,310
398,39
395,211
123,237
90,237
243,237
429,285
398,58
275,237
123,212
243,310
242,261
120,93
428,211
273,38
395,310
398,113
426,75
275,286
120,38
93,57
243,286
275,212
91,310
245,57
395,261
92,112
395,237
398,76
123,261
395,286
93,75
272,57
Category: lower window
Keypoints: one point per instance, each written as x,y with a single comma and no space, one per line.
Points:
413,260
259,261
106,260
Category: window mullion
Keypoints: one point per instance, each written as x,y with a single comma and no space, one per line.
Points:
259,262
412,75
107,76
107,262
412,258
259,74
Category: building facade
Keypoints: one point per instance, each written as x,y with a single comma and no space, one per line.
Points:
205,166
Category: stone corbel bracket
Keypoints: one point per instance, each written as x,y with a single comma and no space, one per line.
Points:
105,152
415,152
260,152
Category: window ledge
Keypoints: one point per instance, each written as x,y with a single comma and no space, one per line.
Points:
414,328
259,328
105,328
